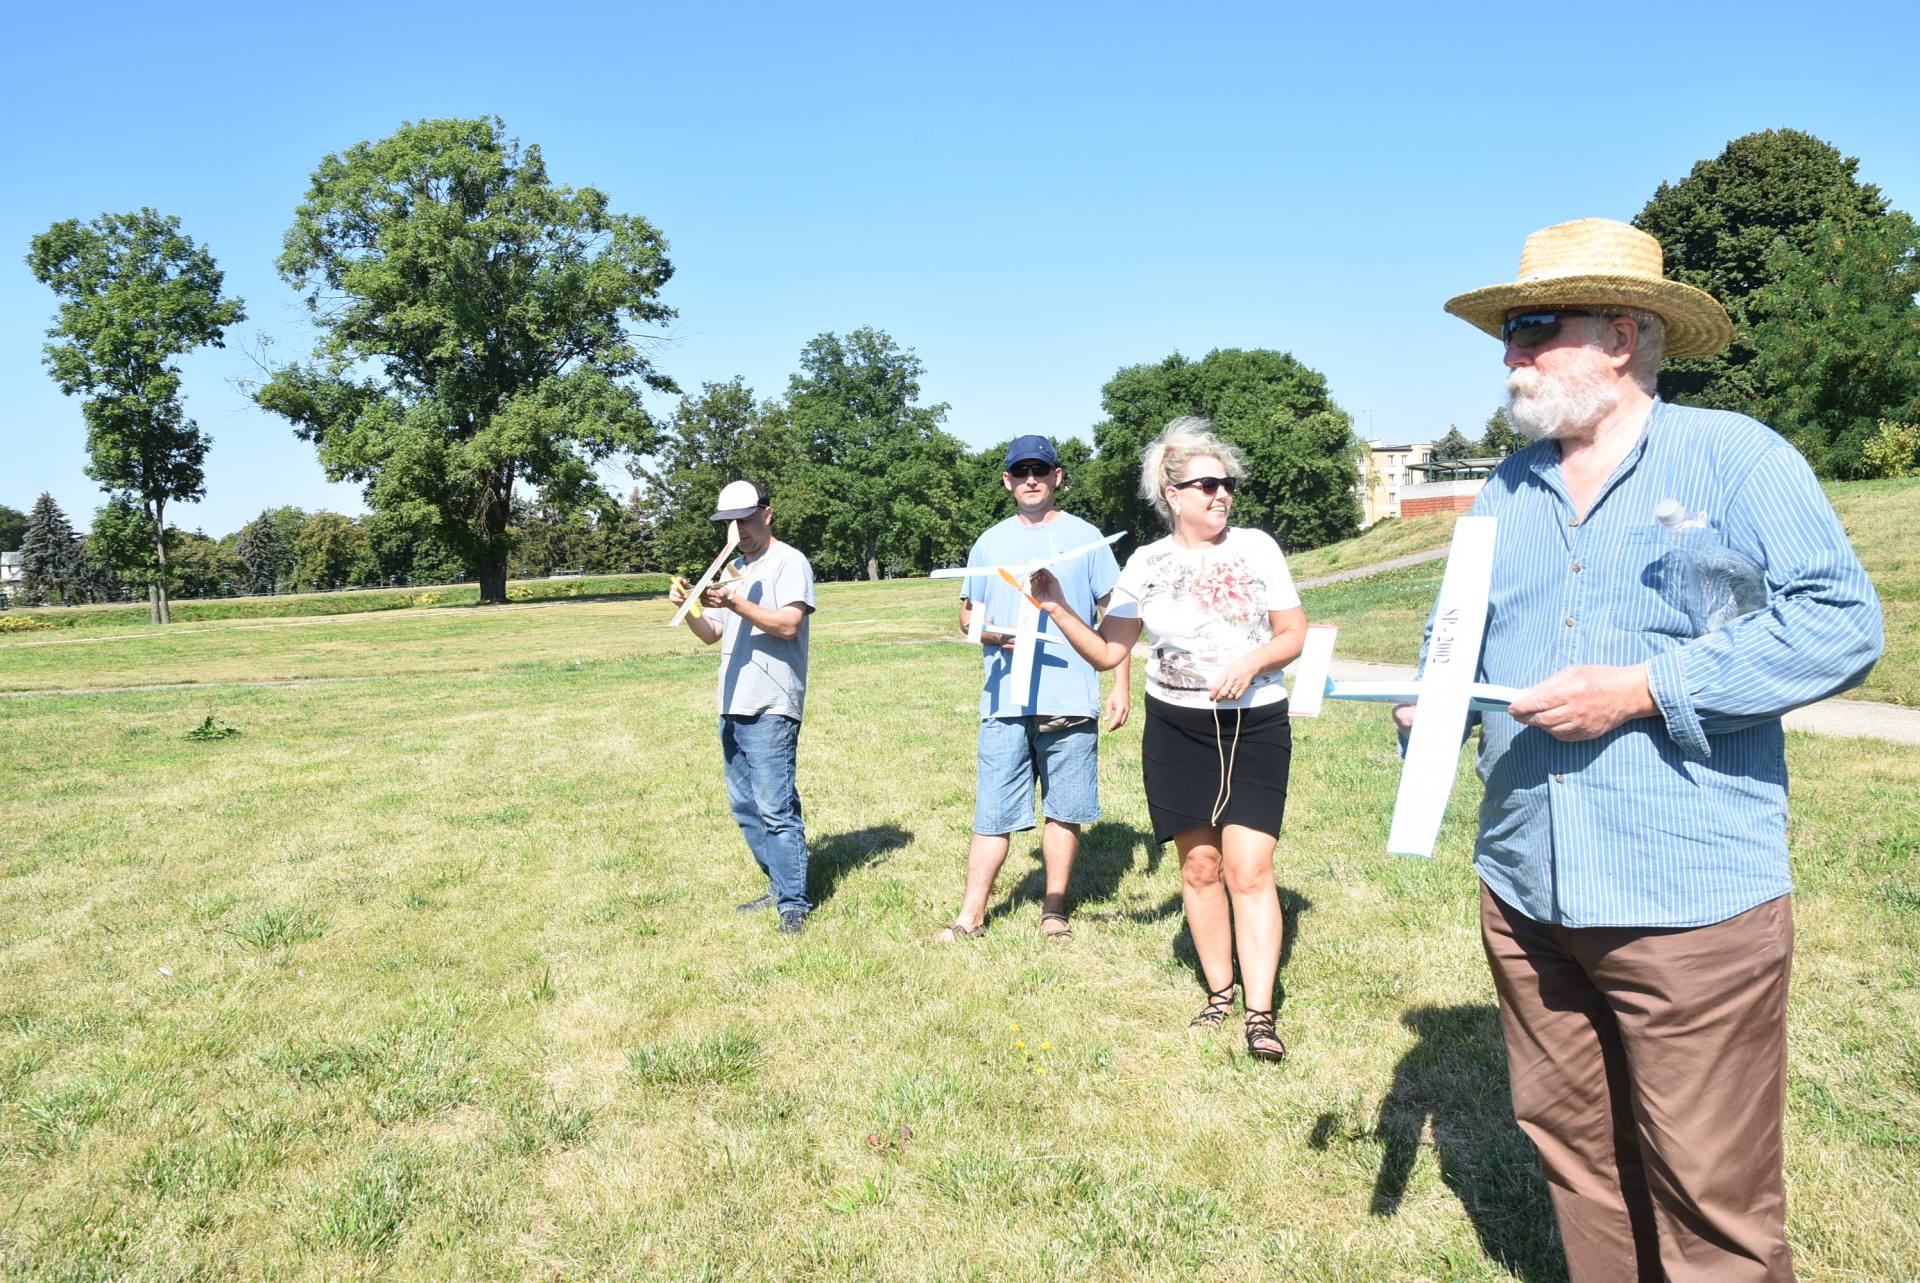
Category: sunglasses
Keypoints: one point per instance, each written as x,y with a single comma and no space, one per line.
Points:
1022,471
1208,485
1531,329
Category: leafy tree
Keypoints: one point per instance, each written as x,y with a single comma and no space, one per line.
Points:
880,482
473,320
721,435
268,557
95,578
1299,445
122,539
13,527
622,537
49,559
1452,447
331,552
1894,450
1836,338
199,567
1718,226
1500,437
135,292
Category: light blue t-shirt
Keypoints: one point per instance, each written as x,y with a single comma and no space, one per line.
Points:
1064,685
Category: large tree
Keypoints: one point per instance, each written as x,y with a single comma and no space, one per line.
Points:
723,434
267,556
1836,339
331,552
474,330
1298,443
1718,226
880,486
1500,438
13,524
135,292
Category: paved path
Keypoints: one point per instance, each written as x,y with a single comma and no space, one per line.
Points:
1374,568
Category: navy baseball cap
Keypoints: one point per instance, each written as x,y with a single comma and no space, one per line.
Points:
1031,447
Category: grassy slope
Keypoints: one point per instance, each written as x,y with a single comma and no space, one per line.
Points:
1380,617
432,974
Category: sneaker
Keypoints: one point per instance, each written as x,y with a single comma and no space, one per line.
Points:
755,906
792,922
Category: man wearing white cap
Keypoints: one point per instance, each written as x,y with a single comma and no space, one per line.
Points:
1667,582
759,616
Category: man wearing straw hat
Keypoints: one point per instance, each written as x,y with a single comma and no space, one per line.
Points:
759,616
1632,855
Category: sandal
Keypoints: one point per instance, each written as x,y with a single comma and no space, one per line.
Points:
1054,926
1262,1042
956,931
1219,1003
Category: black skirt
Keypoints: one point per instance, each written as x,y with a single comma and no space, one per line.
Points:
1181,757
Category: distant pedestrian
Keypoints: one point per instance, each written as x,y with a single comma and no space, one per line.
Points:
1225,619
760,616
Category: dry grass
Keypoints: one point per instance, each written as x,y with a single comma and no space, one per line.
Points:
433,973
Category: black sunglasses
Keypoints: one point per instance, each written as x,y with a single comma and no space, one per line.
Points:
1531,329
1021,471
1210,485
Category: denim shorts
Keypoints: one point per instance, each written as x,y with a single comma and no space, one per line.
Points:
1012,756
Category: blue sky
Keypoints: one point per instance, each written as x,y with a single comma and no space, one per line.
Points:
1031,197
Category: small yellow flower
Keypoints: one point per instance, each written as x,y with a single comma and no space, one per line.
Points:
1014,1025
1020,1044
1046,1046
1039,1070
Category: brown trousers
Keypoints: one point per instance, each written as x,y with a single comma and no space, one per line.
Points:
1649,1067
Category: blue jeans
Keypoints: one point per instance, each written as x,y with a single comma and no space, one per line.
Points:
1012,753
759,751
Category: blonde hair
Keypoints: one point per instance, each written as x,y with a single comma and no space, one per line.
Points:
1167,456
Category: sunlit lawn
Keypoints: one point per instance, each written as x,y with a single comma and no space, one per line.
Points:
432,972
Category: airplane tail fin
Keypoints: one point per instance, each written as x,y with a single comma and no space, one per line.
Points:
1310,672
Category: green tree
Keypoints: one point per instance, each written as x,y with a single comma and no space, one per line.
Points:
1298,443
331,552
880,485
1836,339
122,539
1718,226
135,292
723,434
1500,438
50,566
1894,450
474,330
1452,447
199,567
268,557
96,579
13,527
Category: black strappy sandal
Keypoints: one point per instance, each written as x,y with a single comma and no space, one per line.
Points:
1262,1042
1219,1003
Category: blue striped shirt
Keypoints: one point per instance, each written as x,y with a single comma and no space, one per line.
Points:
1681,819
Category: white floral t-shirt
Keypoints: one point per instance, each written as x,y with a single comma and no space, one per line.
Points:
1204,608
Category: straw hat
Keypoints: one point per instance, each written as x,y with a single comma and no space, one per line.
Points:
1596,262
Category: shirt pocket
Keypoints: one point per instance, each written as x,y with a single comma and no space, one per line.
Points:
1661,578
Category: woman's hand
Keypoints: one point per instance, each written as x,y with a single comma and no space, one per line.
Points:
1045,589
1236,679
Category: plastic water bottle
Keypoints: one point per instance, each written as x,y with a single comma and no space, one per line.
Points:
1710,584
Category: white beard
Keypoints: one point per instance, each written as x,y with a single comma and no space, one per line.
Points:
1550,407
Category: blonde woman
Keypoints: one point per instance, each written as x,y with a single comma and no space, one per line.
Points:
1225,619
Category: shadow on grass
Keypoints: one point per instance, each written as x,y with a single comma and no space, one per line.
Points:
831,859
1455,1077
1104,859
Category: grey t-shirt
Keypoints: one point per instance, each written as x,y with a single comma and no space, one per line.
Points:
761,673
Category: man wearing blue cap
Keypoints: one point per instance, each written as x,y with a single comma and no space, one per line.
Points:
1046,732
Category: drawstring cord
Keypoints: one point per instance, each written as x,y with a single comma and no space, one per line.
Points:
1224,793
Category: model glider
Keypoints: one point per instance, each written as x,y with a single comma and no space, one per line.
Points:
1026,632
693,594
1443,694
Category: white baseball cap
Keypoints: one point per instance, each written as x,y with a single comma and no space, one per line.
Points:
739,499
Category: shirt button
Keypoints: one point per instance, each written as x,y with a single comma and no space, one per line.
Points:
1576,567
1559,779
1569,621
1573,521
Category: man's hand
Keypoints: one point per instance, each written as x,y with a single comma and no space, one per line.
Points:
1403,717
1045,589
1585,701
716,597
1119,704
677,593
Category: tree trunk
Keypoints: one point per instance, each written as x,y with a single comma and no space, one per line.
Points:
493,582
873,559
162,614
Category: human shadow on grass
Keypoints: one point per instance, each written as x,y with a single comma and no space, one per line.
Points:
1104,859
1292,906
1455,1077
831,859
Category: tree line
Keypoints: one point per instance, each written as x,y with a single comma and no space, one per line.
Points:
482,347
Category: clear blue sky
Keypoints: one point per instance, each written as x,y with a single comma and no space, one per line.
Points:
1030,197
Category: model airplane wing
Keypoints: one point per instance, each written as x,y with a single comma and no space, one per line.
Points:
693,594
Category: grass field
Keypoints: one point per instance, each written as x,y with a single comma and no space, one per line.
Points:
430,972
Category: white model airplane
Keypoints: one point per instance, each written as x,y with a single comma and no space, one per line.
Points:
1442,696
1026,632
693,593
